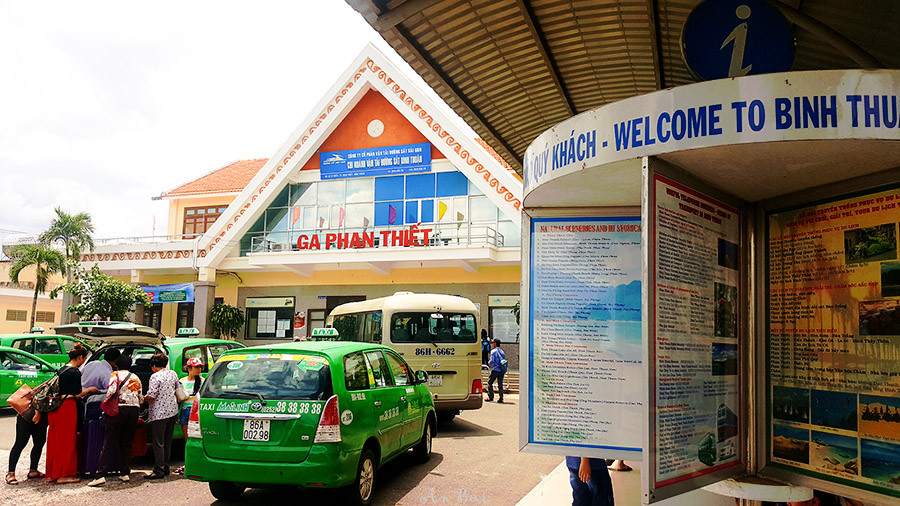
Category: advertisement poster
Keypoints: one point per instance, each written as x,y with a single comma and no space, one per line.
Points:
696,259
182,292
405,159
585,348
834,340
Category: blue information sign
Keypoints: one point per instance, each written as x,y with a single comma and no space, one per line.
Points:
732,38
405,159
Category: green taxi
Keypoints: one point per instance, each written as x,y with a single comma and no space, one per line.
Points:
52,348
309,414
19,368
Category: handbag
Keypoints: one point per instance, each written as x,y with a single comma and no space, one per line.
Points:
20,400
181,394
110,405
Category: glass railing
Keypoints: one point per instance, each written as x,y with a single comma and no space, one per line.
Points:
384,237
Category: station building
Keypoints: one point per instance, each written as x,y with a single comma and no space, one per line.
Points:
376,192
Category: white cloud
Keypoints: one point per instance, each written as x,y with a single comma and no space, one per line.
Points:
104,105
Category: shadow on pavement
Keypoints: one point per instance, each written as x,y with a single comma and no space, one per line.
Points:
458,428
393,481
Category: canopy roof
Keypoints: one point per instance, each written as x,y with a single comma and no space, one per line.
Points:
514,68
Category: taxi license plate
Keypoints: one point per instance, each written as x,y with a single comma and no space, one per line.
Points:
435,380
256,430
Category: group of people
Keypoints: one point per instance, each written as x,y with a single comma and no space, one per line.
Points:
84,390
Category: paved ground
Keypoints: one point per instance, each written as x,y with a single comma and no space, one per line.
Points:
475,461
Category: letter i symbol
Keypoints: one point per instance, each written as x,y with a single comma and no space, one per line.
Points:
739,37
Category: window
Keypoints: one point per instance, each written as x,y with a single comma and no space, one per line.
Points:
68,344
373,327
503,324
48,346
379,368
16,315
24,345
432,328
185,315
288,377
316,318
44,316
348,326
198,220
399,369
356,376
216,350
17,362
193,352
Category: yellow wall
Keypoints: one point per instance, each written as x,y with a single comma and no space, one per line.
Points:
22,301
27,276
177,206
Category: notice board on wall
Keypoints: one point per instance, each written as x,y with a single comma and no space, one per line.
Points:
833,318
694,329
584,372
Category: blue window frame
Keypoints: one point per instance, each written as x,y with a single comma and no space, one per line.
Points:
383,213
388,188
451,184
412,211
420,186
427,211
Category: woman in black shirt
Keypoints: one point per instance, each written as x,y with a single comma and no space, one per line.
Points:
62,460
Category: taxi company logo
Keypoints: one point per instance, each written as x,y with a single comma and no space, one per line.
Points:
436,365
256,406
347,417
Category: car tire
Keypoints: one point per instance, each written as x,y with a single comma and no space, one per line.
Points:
225,490
361,491
422,450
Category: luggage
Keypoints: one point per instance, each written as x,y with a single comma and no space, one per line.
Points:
92,443
139,444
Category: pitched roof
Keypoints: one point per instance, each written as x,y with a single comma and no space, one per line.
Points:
231,178
497,157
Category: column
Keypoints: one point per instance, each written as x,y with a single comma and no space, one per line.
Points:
137,314
204,297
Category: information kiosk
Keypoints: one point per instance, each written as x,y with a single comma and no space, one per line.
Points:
720,261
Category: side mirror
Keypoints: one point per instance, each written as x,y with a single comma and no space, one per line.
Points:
421,376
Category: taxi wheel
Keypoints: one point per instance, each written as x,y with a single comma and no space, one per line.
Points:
363,487
422,450
225,490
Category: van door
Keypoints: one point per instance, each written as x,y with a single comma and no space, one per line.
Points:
403,379
386,403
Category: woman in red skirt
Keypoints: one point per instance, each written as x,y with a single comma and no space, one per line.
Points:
62,460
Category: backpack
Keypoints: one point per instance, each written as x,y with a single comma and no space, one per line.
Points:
48,399
504,365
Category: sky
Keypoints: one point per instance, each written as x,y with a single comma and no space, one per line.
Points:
104,105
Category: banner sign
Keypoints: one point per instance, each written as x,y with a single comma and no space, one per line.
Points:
389,160
585,379
413,236
182,292
822,104
695,424
834,340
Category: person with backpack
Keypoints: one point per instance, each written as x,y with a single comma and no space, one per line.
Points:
498,365
62,457
123,400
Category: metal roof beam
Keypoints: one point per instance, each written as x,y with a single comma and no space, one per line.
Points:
541,45
655,42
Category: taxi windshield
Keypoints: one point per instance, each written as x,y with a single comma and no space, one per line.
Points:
283,377
435,327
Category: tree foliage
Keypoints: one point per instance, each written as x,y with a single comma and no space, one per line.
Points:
46,262
102,296
226,321
74,230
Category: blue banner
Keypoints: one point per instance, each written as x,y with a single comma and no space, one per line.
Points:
384,161
182,292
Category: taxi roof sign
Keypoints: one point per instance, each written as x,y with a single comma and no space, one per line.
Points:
326,332
188,331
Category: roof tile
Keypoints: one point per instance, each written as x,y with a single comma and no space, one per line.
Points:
231,178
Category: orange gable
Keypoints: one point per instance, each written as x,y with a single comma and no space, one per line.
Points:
353,133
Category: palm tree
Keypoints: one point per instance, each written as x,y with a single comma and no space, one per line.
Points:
74,230
46,262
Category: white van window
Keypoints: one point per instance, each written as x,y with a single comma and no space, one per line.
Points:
433,328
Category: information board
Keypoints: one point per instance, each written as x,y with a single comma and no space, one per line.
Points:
834,340
694,364
585,380
404,159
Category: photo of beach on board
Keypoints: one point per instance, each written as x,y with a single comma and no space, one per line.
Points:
880,461
833,409
790,404
833,452
724,359
879,416
790,443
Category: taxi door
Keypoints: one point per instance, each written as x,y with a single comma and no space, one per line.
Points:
16,370
409,398
49,349
386,403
